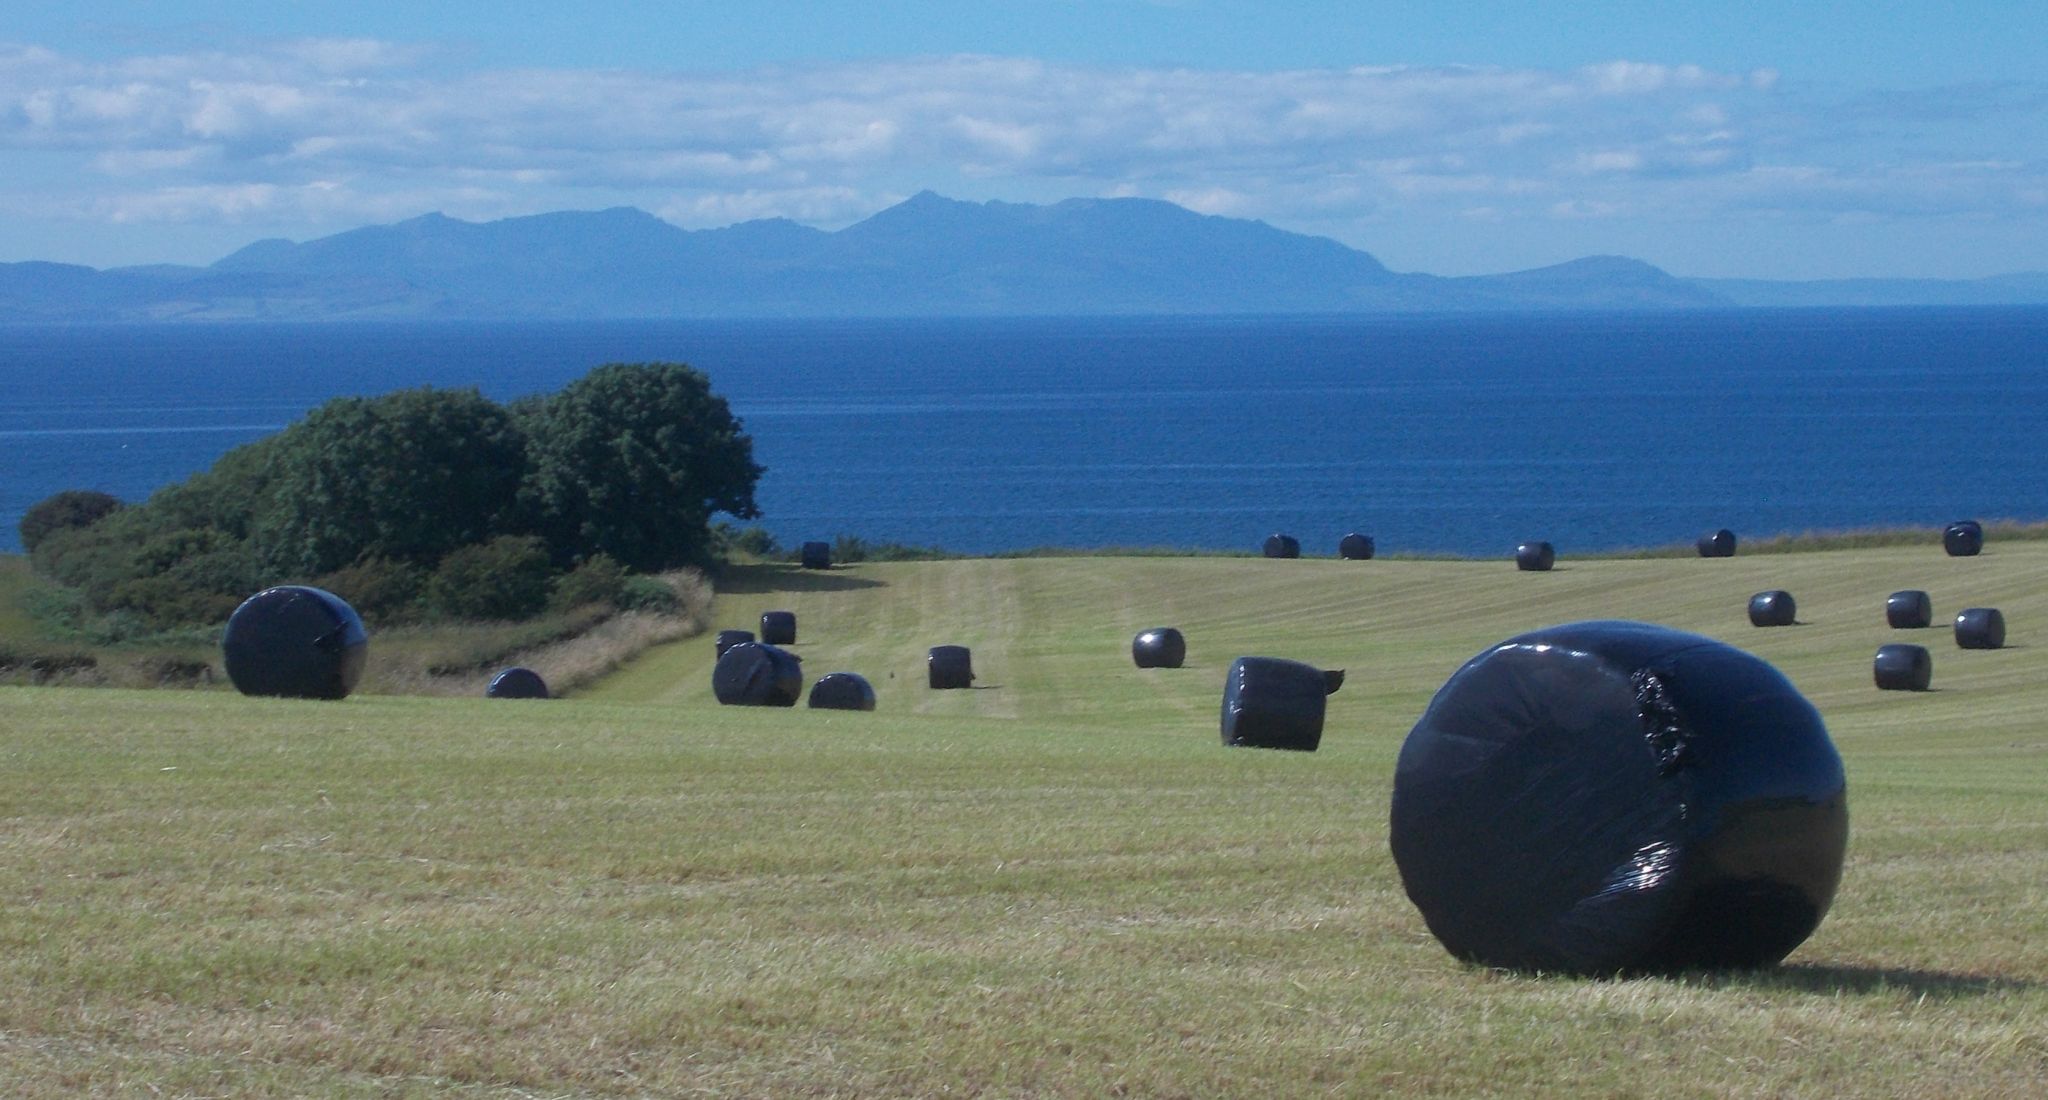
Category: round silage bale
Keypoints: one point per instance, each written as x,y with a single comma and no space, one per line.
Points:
778,627
755,674
817,555
1980,628
1963,539
1902,667
1159,647
297,642
1355,547
1282,546
517,683
1616,797
1718,544
1908,609
1535,557
949,667
843,691
730,638
1272,703
1773,608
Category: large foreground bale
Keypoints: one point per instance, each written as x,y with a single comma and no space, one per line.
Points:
1159,647
1614,797
1355,547
949,666
730,638
778,627
1773,608
1963,539
517,683
1908,609
1282,546
755,674
1902,667
817,555
843,691
1535,557
1719,544
1980,628
297,642
1271,703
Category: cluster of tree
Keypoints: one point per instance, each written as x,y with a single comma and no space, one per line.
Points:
425,502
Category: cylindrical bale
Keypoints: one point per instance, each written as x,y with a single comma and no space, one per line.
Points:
1963,539
755,674
1902,667
1719,544
1535,557
1908,609
1355,547
1271,703
1615,797
1980,628
843,691
517,683
1282,546
730,638
949,667
1773,608
1159,647
778,627
297,642
817,555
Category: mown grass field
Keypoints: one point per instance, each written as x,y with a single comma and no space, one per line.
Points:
1056,884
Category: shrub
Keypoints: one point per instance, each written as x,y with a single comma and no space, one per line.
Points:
650,594
68,509
381,590
599,580
508,577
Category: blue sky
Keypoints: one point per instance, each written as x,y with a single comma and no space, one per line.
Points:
1732,138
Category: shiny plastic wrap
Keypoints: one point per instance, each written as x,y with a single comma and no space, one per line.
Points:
1271,703
817,555
950,667
1282,546
297,642
755,674
1980,628
843,691
1719,544
1902,667
1159,647
1773,608
1615,797
1535,557
1355,547
730,638
1963,539
778,627
1908,609
517,683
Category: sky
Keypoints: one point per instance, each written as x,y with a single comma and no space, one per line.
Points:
1738,138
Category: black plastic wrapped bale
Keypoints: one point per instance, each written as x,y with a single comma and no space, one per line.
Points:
1613,797
1535,557
1355,547
1282,546
755,674
817,555
778,627
1271,703
1980,628
1963,539
517,683
1720,544
730,638
1909,609
1902,667
950,666
1159,647
1773,608
297,642
843,691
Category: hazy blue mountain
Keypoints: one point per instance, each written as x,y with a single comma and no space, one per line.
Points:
927,256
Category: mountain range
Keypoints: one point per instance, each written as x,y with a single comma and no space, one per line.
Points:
927,256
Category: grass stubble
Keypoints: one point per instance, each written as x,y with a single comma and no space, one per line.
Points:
1055,884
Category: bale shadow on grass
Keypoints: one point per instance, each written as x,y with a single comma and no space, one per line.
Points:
780,577
1832,980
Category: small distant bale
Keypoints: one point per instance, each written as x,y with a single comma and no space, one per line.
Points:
296,642
778,627
1282,546
755,674
1159,647
1719,544
1963,539
817,555
1908,609
1901,667
517,683
1535,557
842,691
1980,628
1272,703
730,638
950,667
1773,608
1355,547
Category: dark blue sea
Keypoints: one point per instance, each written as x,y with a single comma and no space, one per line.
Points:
1442,434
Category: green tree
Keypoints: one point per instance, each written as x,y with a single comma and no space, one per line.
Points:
632,460
508,577
70,508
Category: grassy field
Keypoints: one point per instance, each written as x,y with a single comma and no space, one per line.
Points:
1056,884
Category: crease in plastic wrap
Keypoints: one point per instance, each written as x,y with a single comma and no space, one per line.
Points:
755,674
295,641
1614,797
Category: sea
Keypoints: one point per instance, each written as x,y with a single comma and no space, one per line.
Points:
1433,434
